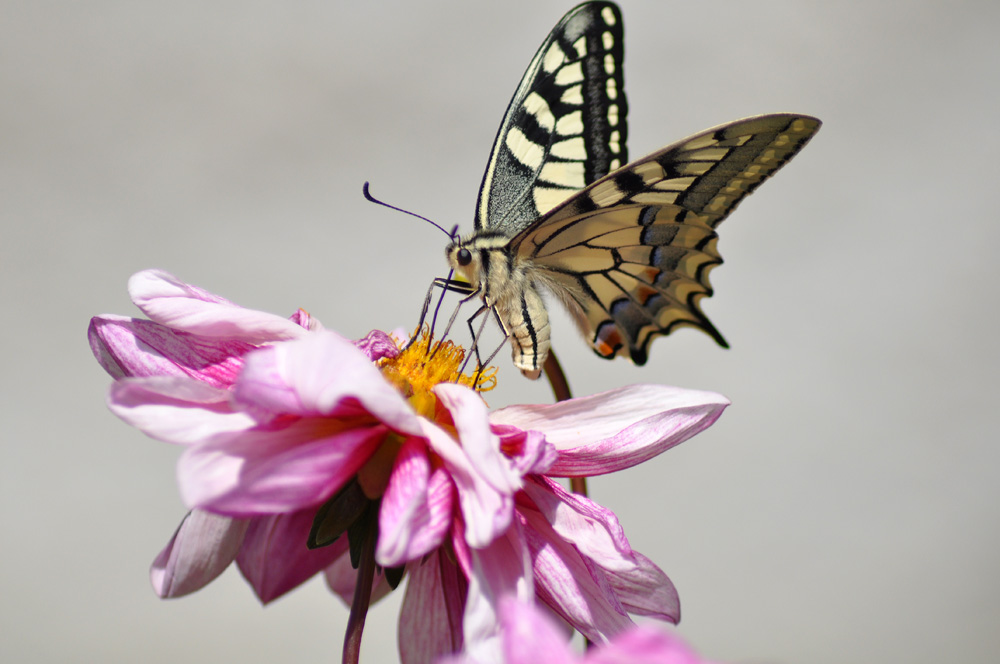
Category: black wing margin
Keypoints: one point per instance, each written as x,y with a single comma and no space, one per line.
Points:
565,127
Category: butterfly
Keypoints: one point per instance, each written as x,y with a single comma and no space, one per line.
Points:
626,247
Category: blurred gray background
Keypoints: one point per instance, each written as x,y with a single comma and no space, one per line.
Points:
844,509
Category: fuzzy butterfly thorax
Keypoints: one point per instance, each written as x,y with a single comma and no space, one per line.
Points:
626,247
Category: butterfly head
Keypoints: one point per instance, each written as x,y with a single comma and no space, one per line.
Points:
465,261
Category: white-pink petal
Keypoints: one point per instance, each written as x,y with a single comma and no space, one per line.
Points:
501,569
570,584
645,590
644,645
481,445
592,529
617,429
327,374
415,512
175,410
170,301
530,635
274,470
486,511
201,549
430,620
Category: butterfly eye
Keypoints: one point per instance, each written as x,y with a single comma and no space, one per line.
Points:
464,257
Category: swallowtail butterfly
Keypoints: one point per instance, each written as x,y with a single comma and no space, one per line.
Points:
627,247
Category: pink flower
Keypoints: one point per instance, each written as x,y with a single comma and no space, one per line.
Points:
195,334
530,635
291,435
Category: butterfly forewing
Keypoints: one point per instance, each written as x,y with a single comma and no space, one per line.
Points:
565,126
631,254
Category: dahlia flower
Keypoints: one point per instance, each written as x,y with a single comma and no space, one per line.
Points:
294,435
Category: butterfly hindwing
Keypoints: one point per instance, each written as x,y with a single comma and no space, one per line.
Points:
631,254
565,126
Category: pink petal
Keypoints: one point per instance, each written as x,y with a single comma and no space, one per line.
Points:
274,469
199,551
134,347
617,429
167,300
175,410
574,588
377,345
416,508
486,511
304,319
481,445
531,636
644,645
594,530
528,451
274,557
645,590
430,620
501,569
322,374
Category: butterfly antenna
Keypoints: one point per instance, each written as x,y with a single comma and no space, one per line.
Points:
372,199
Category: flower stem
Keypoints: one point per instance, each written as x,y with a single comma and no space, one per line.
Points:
362,588
560,387
557,379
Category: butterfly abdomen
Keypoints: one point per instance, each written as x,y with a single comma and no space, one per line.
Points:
508,287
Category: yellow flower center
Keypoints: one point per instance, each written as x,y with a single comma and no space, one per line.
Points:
414,372
426,363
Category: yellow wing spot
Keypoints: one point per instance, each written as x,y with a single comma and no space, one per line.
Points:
608,40
547,198
612,89
714,154
613,115
781,141
650,172
654,198
615,164
699,143
718,204
571,148
674,184
553,58
609,64
608,16
580,45
528,153
694,168
570,74
766,156
572,95
798,126
570,124
567,174
536,105
606,193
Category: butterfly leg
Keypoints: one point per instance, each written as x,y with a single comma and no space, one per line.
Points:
506,335
445,285
475,336
470,293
